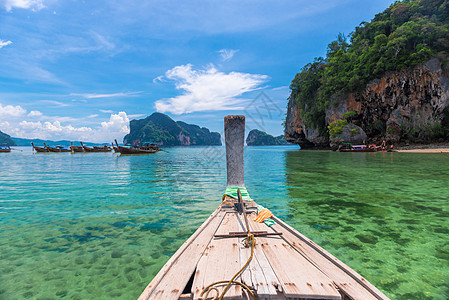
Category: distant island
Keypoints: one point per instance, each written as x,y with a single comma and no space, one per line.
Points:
163,130
260,138
6,139
389,80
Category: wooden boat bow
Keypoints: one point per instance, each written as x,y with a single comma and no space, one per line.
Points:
281,264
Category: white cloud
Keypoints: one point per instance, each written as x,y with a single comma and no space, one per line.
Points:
135,116
4,43
106,111
54,102
117,123
208,89
13,122
115,128
94,96
34,113
227,54
12,111
159,79
49,130
26,4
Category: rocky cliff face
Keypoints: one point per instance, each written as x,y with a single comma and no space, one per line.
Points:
406,106
163,130
297,132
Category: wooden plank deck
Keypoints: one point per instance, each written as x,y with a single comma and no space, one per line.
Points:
286,266
299,278
173,277
259,273
220,261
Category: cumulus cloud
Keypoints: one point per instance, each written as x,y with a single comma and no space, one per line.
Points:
227,54
26,4
207,89
115,128
50,130
34,113
12,111
117,123
4,43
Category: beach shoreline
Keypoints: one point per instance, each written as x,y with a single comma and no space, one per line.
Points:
429,148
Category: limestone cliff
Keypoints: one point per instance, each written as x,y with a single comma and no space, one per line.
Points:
410,105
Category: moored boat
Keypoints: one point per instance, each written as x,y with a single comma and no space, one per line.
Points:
144,149
105,148
57,148
5,148
243,251
348,147
39,149
76,148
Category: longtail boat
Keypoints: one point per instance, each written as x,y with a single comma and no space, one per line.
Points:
39,149
145,149
115,148
348,147
5,148
105,148
234,256
57,149
76,148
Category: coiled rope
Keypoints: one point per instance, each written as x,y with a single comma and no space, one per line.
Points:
248,241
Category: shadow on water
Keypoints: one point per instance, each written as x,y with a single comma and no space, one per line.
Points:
384,214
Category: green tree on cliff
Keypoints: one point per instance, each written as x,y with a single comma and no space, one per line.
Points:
407,33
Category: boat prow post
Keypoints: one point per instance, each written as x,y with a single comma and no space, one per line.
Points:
234,141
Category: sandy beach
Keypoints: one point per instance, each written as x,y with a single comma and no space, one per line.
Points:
435,150
431,148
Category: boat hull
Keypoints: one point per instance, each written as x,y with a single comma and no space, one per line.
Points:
56,150
352,150
125,150
39,149
90,149
286,264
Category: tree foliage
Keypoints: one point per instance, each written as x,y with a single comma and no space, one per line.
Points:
407,33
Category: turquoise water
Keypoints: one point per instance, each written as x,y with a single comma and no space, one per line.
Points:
99,225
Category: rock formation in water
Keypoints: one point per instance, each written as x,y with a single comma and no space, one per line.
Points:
161,129
410,105
259,138
6,139
390,78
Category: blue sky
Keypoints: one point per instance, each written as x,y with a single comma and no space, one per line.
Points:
82,69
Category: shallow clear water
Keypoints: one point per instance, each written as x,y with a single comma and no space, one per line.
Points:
99,225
